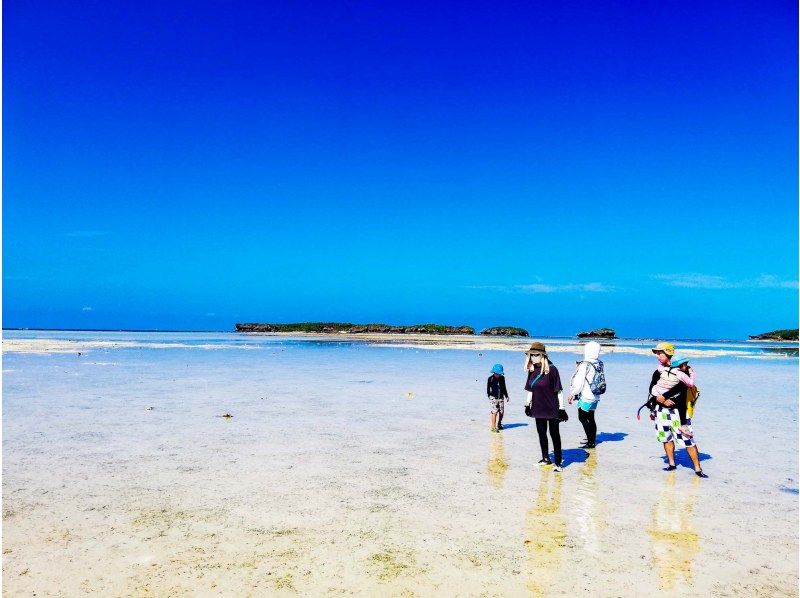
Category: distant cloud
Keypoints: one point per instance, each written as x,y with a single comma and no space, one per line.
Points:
87,308
710,281
694,281
768,281
588,287
87,233
211,314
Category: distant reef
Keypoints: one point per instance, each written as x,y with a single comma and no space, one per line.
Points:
599,333
776,335
333,327
504,331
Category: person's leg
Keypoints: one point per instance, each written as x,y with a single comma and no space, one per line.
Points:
493,420
500,412
692,450
665,422
582,417
669,449
556,436
686,435
541,429
591,428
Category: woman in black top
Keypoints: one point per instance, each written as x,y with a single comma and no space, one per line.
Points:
545,401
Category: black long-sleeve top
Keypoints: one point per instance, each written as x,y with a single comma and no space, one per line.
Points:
496,387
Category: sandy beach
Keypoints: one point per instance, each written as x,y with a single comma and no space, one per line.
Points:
365,466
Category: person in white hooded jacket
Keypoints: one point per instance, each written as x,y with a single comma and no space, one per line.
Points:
580,390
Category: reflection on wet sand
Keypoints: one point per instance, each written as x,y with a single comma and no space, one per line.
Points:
497,465
545,535
589,510
675,543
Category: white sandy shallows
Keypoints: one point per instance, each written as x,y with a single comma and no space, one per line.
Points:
359,469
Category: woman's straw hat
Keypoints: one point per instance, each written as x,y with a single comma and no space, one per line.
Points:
536,347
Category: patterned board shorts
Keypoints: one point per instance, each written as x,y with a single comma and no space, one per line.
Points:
498,405
668,427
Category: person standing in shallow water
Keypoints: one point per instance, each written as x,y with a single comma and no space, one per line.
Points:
669,389
580,388
498,396
545,401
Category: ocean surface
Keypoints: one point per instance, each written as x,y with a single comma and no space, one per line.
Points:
63,341
366,466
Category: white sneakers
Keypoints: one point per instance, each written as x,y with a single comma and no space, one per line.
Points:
557,467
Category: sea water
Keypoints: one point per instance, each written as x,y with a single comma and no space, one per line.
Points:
351,465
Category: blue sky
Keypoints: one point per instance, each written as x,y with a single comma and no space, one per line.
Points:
555,166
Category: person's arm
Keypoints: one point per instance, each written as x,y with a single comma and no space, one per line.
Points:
555,379
671,397
660,399
578,380
555,384
503,390
654,380
489,386
529,394
687,379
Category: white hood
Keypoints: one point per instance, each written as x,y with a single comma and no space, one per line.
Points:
591,351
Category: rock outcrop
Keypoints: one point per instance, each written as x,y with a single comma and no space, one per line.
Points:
776,335
332,327
599,333
504,331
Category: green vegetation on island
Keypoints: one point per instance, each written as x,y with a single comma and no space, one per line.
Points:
776,335
504,331
599,333
345,327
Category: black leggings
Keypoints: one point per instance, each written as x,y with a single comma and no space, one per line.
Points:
541,428
589,425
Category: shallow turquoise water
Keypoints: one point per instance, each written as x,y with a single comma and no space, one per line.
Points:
342,438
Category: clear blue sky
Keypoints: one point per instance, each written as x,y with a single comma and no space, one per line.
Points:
559,166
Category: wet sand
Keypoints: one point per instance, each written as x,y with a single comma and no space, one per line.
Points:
357,469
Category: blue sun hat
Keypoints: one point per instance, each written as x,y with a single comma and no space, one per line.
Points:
679,360
498,369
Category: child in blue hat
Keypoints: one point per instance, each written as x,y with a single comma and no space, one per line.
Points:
498,396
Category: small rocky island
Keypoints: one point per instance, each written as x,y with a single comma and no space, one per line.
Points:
342,327
599,333
776,335
504,331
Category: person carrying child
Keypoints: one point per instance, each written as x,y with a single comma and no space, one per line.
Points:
588,383
498,396
674,392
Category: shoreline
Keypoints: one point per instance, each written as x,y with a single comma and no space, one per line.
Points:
531,337
62,343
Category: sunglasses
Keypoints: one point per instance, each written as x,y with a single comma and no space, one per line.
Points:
535,354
